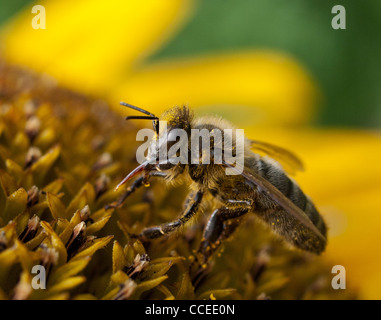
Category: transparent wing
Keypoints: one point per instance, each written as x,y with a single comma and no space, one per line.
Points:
289,161
277,196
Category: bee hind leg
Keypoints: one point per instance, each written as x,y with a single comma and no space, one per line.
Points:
220,226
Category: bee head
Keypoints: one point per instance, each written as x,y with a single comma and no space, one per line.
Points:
175,128
178,118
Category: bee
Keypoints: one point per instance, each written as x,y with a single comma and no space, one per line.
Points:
261,187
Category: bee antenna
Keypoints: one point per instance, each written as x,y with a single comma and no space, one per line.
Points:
137,109
151,116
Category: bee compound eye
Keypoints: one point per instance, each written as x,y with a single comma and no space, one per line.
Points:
164,166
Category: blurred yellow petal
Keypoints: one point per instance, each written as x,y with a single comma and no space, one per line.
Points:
68,270
67,284
88,44
266,87
337,162
343,178
354,239
98,47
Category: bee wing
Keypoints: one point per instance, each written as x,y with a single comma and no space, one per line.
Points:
266,187
290,162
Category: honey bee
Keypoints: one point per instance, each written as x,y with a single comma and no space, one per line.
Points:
261,187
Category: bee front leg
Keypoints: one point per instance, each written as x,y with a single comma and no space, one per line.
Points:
141,181
166,228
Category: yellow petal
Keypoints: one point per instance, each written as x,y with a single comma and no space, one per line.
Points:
354,239
85,296
56,207
56,243
7,260
60,296
41,167
118,258
84,196
23,288
167,293
156,270
69,269
102,54
185,287
119,277
88,44
33,243
26,258
54,187
96,226
14,169
336,162
8,183
67,284
15,204
266,87
216,294
147,285
96,245
111,294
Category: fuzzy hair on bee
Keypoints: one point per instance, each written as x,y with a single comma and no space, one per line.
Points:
260,185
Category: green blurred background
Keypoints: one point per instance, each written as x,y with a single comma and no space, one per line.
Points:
346,64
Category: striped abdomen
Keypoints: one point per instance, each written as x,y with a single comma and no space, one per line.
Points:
279,219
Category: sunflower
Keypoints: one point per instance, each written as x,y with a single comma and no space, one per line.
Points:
103,50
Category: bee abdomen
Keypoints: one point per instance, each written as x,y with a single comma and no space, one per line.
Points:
276,176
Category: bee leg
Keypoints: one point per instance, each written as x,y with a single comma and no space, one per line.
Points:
166,228
136,185
240,202
220,226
